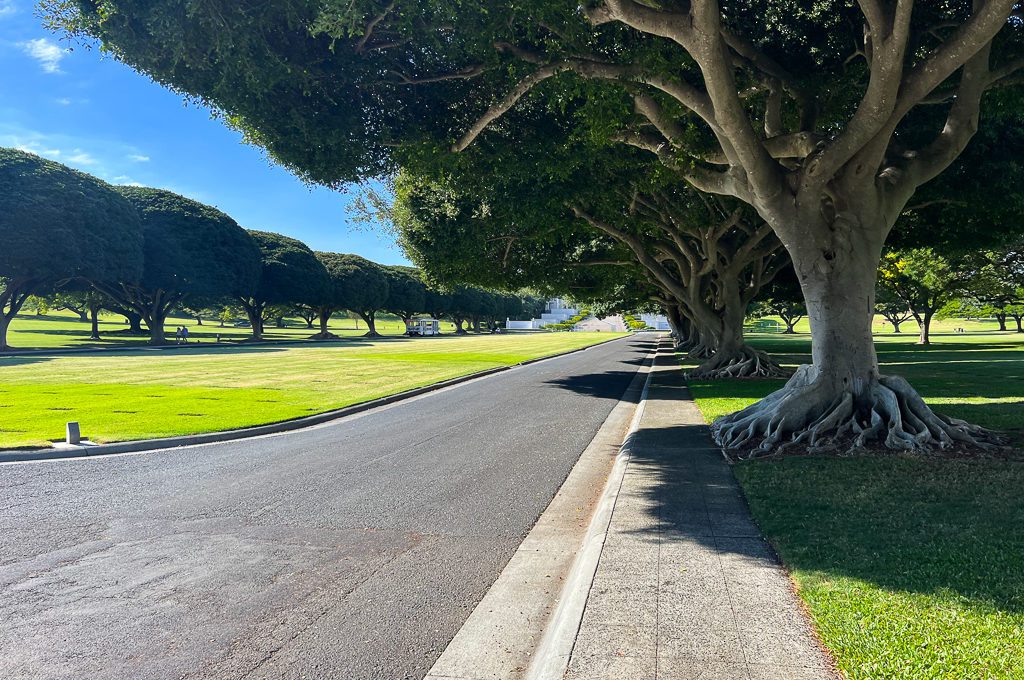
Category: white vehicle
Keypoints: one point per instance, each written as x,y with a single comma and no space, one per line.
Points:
422,327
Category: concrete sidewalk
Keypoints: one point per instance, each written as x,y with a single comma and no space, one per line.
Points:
686,587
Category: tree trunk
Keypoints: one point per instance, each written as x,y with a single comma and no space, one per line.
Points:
95,318
1019,319
371,324
156,328
732,357
254,311
841,400
1001,318
459,330
895,325
199,321
5,322
925,323
790,323
324,314
680,328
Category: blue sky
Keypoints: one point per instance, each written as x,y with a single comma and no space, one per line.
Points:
92,113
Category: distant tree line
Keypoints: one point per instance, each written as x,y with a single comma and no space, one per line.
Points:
71,241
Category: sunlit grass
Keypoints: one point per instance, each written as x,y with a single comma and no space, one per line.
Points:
133,395
911,567
976,376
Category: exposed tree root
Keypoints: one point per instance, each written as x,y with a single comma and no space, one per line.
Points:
682,345
809,412
700,350
324,335
745,362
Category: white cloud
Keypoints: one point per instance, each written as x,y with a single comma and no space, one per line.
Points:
125,180
63,101
32,147
46,52
81,157
7,8
138,158
109,160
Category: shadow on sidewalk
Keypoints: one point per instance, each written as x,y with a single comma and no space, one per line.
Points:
905,524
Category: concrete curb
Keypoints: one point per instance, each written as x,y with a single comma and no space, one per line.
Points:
500,638
32,455
551,660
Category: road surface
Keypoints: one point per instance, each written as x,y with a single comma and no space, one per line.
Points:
351,550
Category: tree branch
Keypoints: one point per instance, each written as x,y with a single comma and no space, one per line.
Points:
361,43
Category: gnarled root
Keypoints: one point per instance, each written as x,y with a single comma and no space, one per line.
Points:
745,362
809,411
325,335
700,350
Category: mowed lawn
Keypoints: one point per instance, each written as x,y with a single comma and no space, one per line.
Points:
911,568
63,329
157,393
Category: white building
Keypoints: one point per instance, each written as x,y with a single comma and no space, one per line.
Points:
658,322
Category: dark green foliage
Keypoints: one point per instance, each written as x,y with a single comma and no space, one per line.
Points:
406,291
289,274
360,286
273,70
58,224
188,249
977,202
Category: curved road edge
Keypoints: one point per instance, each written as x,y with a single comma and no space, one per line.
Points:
147,445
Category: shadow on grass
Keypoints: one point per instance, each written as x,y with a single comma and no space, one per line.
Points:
903,523
7,361
41,355
945,530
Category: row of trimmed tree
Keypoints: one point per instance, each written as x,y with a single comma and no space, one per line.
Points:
146,253
669,150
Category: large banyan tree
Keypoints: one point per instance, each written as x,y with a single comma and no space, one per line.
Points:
523,211
809,113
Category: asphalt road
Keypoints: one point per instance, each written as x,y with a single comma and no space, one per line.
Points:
354,549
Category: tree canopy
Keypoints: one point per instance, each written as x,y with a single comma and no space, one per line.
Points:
825,118
188,249
289,274
56,224
406,291
362,285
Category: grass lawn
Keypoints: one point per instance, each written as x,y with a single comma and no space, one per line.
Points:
159,393
63,329
911,567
